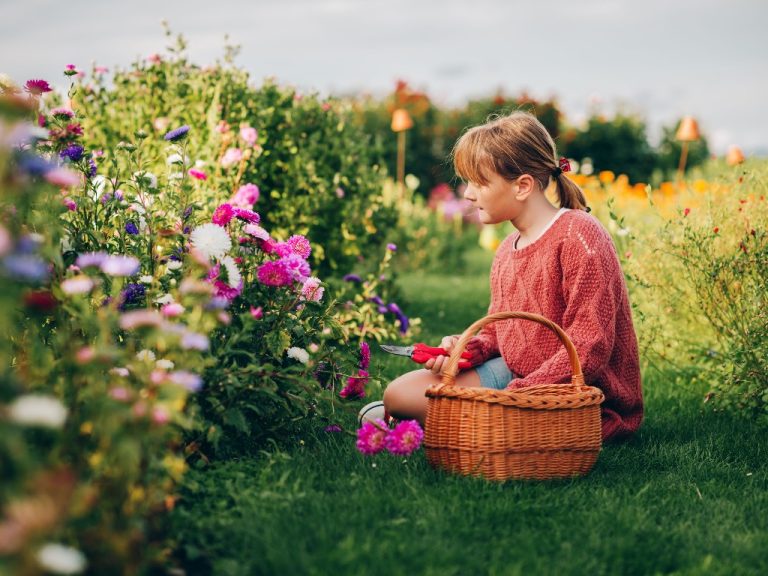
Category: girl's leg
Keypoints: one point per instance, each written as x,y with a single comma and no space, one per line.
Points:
404,398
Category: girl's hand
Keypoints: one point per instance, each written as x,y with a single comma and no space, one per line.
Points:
436,364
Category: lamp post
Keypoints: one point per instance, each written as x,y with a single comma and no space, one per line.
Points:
688,131
401,121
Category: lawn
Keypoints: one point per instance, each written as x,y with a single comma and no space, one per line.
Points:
687,495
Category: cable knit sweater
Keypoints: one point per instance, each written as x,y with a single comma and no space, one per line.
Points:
572,276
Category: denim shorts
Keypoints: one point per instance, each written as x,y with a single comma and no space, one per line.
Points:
494,374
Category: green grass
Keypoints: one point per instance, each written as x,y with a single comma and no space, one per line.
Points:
687,495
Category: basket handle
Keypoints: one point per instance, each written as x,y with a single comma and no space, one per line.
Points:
452,367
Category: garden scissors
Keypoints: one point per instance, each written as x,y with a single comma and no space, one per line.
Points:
420,353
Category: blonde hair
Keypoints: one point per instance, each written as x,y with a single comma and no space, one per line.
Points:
511,146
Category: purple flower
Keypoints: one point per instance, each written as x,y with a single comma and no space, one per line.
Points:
297,267
194,341
352,278
25,267
405,438
120,265
189,380
92,168
74,152
333,428
90,259
35,165
392,247
377,300
131,228
177,134
365,355
133,294
37,87
274,273
404,322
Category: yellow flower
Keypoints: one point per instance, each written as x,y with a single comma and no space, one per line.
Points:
606,176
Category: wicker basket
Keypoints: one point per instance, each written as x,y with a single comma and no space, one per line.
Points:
539,432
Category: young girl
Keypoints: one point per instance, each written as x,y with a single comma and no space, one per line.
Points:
561,264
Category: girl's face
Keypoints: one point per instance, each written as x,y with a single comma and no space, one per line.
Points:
496,201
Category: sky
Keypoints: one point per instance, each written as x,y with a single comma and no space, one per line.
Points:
660,59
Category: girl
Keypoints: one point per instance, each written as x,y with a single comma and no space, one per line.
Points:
561,263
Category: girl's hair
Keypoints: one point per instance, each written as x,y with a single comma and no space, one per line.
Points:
511,146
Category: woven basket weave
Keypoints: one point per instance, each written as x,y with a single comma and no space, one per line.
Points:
539,432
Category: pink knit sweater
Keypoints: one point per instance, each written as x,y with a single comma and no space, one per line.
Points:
572,276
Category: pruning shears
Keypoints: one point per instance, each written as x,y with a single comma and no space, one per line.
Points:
420,353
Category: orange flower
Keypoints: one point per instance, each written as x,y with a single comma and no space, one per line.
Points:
606,176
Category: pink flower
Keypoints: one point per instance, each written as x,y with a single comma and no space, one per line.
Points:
119,393
101,70
312,290
198,174
223,215
355,387
85,355
365,355
257,313
224,290
274,274
172,310
247,215
300,245
154,58
70,204
249,135
246,196
37,87
160,415
405,438
297,266
372,437
140,318
283,249
62,177
256,231
222,127
231,156
340,192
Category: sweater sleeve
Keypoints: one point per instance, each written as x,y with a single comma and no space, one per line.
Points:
592,284
485,345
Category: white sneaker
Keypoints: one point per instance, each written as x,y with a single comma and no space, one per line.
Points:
371,412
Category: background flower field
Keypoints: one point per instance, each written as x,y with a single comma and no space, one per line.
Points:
195,271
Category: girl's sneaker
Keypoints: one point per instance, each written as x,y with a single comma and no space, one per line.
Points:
373,411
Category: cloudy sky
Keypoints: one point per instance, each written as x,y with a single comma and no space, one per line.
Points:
660,58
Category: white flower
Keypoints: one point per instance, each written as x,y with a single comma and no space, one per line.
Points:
298,354
174,264
164,299
165,364
149,179
80,284
176,175
622,232
146,355
99,183
38,410
233,273
200,164
175,159
120,371
211,239
146,279
61,559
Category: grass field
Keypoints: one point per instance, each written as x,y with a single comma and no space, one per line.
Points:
687,495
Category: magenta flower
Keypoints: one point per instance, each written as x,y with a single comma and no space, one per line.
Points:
223,215
70,204
405,438
198,174
247,215
300,245
274,274
355,387
257,313
246,196
365,355
372,437
297,267
282,249
62,113
37,87
224,290
70,70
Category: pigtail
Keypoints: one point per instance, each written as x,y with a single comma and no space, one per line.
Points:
570,194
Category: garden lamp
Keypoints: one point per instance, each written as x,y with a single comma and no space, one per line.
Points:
401,121
688,131
735,156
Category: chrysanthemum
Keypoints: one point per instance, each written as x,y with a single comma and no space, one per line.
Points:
194,341
90,259
77,285
247,215
211,240
300,245
37,87
298,354
246,196
249,135
365,355
223,215
405,438
131,228
372,437
73,152
177,134
197,174
297,267
231,156
256,231
120,265
234,278
274,273
62,113
312,290
355,387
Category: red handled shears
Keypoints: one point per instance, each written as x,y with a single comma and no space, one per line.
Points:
420,353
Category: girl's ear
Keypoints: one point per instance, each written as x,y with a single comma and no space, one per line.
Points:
525,186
